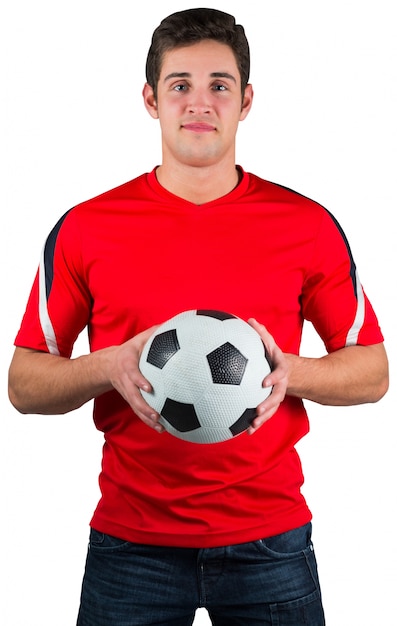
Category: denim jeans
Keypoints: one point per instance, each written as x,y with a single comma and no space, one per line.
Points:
270,582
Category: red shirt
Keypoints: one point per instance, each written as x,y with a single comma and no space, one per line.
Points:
137,255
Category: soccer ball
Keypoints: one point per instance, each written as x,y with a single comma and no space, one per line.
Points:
206,369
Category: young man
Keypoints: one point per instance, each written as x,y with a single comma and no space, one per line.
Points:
181,525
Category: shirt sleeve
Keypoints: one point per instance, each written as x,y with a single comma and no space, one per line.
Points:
333,298
59,304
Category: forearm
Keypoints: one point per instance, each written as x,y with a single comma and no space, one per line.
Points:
353,375
43,383
48,384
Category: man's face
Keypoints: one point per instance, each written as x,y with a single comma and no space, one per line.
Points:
199,104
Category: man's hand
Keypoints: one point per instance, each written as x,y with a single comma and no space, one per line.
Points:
277,379
126,378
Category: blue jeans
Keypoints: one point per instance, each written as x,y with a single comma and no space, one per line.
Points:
270,582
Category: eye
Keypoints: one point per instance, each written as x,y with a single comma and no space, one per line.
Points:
220,86
180,87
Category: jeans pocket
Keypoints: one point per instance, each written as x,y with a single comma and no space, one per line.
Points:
102,541
286,545
293,553
305,611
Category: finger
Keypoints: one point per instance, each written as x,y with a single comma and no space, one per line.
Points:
142,383
146,413
259,420
277,379
129,388
262,331
266,409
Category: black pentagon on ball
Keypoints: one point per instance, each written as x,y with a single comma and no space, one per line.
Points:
181,416
227,365
243,422
163,348
218,315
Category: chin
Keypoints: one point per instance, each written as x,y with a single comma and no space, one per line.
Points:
202,159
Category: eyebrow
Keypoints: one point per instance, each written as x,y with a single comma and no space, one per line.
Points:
212,75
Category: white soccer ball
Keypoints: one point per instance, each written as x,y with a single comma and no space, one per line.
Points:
206,369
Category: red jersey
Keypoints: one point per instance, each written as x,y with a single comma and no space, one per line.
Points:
137,255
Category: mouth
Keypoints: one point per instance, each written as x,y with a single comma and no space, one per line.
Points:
199,127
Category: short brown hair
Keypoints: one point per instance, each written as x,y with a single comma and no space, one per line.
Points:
185,28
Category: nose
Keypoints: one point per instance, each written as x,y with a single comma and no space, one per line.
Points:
199,102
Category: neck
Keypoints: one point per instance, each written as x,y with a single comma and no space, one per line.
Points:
198,184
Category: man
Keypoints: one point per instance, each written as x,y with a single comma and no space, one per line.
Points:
181,525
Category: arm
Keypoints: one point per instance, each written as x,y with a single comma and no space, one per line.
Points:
351,375
44,383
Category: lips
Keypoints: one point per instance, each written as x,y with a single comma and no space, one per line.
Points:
199,127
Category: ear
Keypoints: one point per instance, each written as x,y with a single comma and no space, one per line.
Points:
247,102
150,101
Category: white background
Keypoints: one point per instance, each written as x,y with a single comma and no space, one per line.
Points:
73,125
